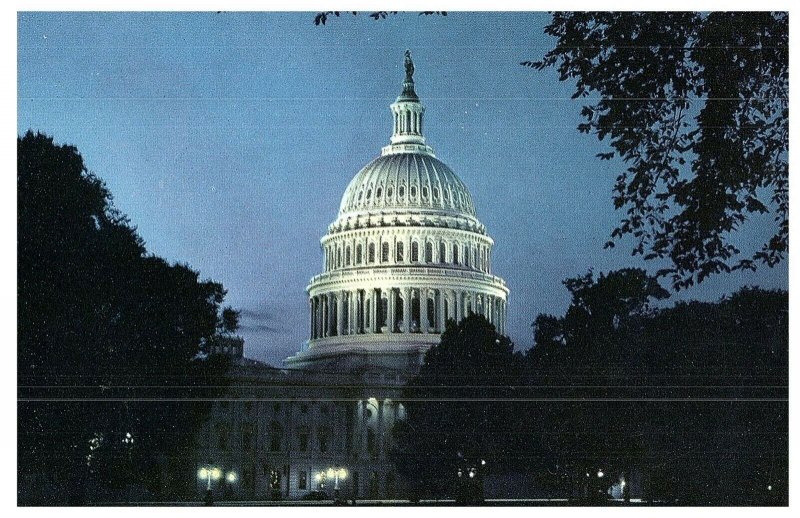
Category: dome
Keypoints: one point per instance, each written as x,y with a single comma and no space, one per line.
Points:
403,181
405,255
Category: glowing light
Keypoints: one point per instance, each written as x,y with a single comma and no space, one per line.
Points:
600,474
216,473
483,462
342,473
202,473
471,474
231,477
318,477
330,473
622,483
769,488
587,474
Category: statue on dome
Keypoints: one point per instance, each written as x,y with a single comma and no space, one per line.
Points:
409,67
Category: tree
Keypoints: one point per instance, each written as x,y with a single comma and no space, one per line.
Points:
109,337
696,106
458,409
661,390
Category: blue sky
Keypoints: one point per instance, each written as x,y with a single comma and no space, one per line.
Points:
229,138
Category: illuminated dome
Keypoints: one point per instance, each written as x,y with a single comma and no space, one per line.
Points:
400,182
405,254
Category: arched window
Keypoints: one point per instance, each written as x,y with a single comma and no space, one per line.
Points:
442,252
428,252
414,252
385,252
359,254
466,256
339,257
347,256
455,254
371,253
398,256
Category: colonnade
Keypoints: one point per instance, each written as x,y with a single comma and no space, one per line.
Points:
399,310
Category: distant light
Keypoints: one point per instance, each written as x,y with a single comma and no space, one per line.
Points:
483,462
471,474
330,473
459,473
342,473
318,477
587,475
622,483
600,474
231,477
216,473
769,488
202,473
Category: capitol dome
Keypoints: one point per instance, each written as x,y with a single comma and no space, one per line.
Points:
405,254
406,181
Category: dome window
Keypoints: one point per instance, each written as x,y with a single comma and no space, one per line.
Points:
401,191
435,193
360,195
369,193
389,192
413,191
425,193
378,193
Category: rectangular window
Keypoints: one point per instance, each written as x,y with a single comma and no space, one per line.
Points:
302,480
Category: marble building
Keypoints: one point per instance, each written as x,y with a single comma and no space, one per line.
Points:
405,254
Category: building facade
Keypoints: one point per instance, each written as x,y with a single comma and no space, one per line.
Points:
405,254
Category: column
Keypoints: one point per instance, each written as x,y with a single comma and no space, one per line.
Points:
311,317
389,309
331,316
373,311
423,310
339,312
364,428
324,323
459,306
406,310
440,311
380,442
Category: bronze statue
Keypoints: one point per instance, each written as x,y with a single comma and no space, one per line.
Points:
409,67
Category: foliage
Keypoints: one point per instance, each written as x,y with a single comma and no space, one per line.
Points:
670,392
456,406
108,335
696,106
321,18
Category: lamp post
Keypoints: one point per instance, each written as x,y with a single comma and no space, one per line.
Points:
209,473
335,474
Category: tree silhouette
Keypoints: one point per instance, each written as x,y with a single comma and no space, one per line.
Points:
110,338
696,106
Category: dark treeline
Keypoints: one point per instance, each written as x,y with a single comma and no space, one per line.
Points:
109,337
690,400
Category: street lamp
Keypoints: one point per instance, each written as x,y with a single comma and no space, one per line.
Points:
335,474
209,473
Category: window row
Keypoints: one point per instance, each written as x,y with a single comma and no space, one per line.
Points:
426,252
425,194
